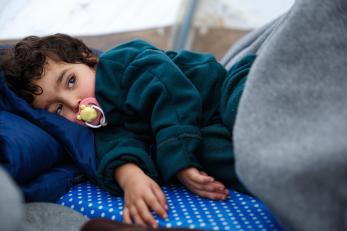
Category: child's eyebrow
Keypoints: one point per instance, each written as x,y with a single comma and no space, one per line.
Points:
60,78
57,83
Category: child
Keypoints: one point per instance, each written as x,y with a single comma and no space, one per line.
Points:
169,115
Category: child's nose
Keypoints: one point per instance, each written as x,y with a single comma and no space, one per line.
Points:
73,104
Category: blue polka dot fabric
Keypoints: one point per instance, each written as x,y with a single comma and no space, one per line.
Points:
238,212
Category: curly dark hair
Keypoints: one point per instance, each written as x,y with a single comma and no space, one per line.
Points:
24,63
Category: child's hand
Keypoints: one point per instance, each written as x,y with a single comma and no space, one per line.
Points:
141,194
202,184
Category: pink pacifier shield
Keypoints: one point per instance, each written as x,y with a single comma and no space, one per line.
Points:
89,102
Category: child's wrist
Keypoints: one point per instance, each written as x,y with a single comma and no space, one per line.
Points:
125,172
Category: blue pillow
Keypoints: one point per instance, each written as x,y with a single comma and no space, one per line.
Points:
51,185
77,140
26,150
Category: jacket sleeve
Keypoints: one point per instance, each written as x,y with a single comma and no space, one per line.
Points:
172,104
115,147
160,93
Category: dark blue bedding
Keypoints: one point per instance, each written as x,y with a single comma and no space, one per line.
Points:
39,148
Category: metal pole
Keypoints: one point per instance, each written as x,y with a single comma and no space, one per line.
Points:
181,34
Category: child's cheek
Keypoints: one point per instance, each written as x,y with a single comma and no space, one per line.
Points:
71,117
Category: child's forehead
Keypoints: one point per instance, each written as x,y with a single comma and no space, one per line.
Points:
51,64
50,69
53,61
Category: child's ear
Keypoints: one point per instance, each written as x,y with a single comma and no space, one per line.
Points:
93,58
90,56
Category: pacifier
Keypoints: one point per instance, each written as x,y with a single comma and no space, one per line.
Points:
90,113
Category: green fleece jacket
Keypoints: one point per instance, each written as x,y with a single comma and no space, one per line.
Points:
155,104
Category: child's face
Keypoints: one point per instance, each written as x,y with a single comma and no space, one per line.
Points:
64,85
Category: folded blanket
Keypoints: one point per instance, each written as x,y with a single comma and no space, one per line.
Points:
290,131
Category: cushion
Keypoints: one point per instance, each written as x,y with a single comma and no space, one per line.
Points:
26,150
50,185
77,140
238,212
35,145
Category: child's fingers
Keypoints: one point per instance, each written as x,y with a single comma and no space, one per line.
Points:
154,204
197,177
194,186
212,190
126,216
160,196
145,214
136,216
213,187
209,188
221,187
212,195
218,186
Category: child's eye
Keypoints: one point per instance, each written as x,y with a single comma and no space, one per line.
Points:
59,108
71,82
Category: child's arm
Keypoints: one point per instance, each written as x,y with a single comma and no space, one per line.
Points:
153,91
202,184
141,194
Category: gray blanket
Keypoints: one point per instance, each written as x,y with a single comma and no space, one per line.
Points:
17,216
291,129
